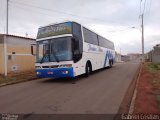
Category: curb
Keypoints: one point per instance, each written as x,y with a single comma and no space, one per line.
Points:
131,109
15,82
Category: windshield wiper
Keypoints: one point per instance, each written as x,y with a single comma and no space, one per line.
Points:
43,58
56,58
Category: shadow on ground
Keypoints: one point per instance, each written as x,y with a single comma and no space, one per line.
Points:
71,80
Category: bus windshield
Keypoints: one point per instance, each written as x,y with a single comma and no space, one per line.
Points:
54,50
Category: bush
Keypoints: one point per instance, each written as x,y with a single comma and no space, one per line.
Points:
154,67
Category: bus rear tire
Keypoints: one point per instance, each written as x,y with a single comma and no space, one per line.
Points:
88,69
110,64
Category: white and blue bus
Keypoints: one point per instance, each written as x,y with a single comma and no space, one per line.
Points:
68,49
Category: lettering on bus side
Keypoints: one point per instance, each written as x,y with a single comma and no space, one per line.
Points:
93,48
100,49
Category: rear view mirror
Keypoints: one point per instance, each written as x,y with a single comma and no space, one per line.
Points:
33,49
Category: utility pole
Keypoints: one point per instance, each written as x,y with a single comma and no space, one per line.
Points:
142,39
5,41
7,18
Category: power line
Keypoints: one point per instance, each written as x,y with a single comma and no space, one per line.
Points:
61,12
140,7
23,8
128,28
144,6
34,11
17,4
147,3
49,15
150,7
146,12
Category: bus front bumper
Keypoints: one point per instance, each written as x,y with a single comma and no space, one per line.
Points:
55,73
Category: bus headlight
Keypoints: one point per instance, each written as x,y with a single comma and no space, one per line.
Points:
64,72
38,73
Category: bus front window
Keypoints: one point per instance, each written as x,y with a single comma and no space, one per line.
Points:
54,50
61,49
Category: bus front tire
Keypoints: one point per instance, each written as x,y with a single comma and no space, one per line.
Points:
88,70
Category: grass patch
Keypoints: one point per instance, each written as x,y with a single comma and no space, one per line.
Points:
158,100
6,79
156,82
154,67
18,77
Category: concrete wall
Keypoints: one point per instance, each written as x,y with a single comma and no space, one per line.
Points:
154,55
118,57
125,58
156,59
19,58
19,54
1,55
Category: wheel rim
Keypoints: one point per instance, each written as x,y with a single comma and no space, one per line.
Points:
88,69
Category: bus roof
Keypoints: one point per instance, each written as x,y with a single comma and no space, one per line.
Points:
74,22
54,24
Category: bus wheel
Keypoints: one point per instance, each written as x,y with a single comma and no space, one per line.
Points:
88,70
110,64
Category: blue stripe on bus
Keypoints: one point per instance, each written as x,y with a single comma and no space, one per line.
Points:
54,73
109,56
105,59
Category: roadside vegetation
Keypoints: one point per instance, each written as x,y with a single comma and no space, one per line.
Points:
5,79
155,82
148,90
154,67
158,100
16,78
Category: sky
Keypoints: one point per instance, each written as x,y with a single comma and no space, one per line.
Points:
116,20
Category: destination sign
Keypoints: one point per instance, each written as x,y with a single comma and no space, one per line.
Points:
53,30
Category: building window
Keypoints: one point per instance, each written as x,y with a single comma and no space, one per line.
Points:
9,57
